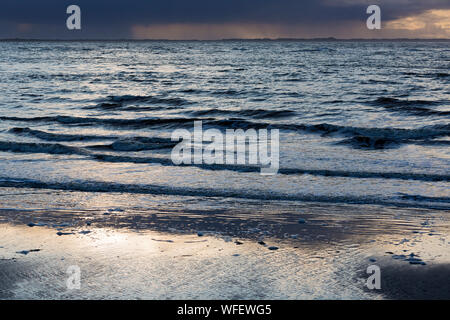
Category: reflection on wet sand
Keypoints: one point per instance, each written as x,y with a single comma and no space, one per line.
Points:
174,254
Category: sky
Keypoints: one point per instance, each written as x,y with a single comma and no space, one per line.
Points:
224,19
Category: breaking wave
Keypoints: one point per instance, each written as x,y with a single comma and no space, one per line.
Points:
415,107
49,148
48,136
108,187
392,134
135,145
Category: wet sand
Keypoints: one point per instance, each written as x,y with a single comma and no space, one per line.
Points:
214,255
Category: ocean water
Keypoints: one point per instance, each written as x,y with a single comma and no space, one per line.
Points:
88,124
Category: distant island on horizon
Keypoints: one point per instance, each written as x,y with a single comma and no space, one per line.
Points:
230,39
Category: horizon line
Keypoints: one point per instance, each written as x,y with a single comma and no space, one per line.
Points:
227,39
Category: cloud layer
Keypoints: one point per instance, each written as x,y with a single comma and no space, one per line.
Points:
207,19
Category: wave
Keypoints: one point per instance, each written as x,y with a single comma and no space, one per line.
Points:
135,123
397,135
234,92
395,101
192,90
27,147
47,136
374,143
378,81
124,99
123,103
416,197
22,147
285,171
439,75
442,75
416,107
111,187
443,143
105,106
363,142
394,134
137,144
121,143
118,106
253,113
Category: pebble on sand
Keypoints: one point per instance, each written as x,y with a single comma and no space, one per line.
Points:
25,252
200,234
301,221
273,248
59,233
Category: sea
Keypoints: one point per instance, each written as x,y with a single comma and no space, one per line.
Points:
87,125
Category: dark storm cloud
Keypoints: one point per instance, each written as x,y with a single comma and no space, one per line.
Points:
46,18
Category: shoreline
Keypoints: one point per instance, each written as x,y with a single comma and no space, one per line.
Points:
119,252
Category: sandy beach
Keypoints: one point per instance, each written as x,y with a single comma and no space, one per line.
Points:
125,254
